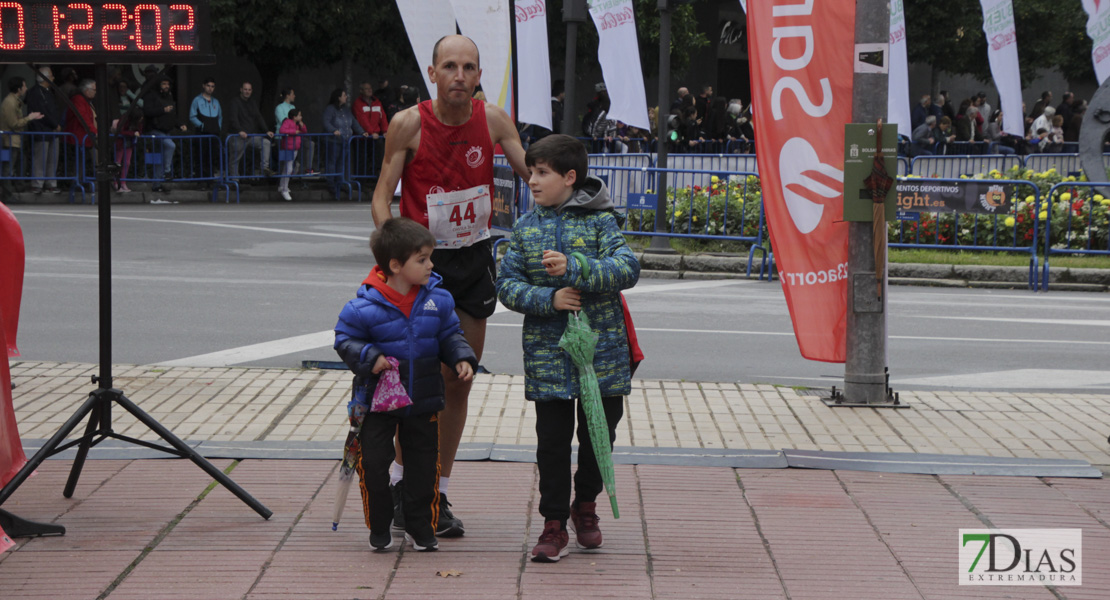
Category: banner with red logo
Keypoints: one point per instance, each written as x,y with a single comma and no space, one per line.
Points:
801,59
1098,28
618,51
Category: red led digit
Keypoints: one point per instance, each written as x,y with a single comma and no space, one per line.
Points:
19,23
139,27
57,15
188,26
122,25
80,26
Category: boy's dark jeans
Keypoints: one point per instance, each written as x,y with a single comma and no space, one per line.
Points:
419,437
554,430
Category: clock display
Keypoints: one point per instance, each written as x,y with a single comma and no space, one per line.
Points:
105,31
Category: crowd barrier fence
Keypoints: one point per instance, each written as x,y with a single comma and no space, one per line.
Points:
1076,225
37,148
190,159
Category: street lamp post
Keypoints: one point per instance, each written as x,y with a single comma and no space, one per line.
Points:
661,244
574,12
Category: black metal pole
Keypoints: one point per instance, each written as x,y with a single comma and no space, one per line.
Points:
104,202
662,243
569,77
513,79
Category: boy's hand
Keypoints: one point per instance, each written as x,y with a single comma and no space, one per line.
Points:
555,263
381,365
568,298
465,371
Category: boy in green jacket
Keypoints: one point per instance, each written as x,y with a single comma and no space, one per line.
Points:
543,276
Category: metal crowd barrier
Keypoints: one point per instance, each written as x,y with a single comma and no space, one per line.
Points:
321,155
35,150
1073,230
951,167
987,232
736,163
172,159
364,160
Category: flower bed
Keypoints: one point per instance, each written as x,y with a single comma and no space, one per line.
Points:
726,208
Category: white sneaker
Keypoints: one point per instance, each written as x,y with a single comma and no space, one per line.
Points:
286,196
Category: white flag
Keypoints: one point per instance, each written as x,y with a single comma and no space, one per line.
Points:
487,23
744,5
998,24
619,55
425,22
898,80
533,66
1098,28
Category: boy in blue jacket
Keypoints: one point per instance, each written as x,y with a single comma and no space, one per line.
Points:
400,312
568,254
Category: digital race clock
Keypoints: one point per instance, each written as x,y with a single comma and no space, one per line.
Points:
105,31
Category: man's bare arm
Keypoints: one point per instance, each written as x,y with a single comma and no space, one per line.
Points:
403,138
503,131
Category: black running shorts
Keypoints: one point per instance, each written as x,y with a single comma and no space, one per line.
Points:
468,275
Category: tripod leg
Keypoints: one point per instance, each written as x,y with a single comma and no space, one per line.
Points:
17,527
192,454
48,448
83,446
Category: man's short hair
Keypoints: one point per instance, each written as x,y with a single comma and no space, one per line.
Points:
931,120
563,154
946,121
208,80
435,50
15,84
399,238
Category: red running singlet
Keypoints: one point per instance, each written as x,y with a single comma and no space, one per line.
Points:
449,158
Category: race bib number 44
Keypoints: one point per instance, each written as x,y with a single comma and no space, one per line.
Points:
460,218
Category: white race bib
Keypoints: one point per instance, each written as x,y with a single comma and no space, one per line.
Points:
460,218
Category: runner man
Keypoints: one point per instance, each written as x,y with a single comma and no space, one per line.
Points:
442,153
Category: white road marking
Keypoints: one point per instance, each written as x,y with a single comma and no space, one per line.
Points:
245,354
663,287
1024,320
203,224
1017,379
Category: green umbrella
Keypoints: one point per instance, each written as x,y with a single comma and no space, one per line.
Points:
580,341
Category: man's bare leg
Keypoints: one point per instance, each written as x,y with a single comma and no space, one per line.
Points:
452,419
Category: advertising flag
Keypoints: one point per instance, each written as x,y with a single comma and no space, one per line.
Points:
619,55
425,22
802,69
533,66
998,24
12,262
487,23
898,82
1098,28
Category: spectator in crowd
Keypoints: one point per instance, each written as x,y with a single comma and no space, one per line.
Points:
984,107
938,106
307,146
12,119
1044,120
1065,108
995,134
943,135
244,118
740,129
682,94
369,112
408,97
946,106
1073,125
281,111
67,86
292,128
717,123
965,122
604,129
702,102
594,107
127,130
1040,106
124,97
82,124
558,99
922,137
41,99
339,122
1039,141
1056,136
161,119
689,130
207,118
921,110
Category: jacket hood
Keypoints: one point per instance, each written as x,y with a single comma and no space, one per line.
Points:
591,196
367,291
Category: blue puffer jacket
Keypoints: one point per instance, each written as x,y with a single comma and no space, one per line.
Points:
370,326
584,223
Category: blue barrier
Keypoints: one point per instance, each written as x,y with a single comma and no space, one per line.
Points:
1075,219
160,159
44,157
992,236
1065,164
951,167
321,155
735,163
364,160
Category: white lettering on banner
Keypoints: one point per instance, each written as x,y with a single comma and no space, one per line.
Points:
818,277
805,8
533,10
778,34
615,19
811,109
797,161
792,64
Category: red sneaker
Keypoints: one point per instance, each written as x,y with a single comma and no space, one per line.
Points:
553,543
586,532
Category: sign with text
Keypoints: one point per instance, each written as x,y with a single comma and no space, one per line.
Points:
504,196
643,201
1021,557
966,195
859,160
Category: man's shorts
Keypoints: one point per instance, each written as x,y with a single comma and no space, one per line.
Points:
468,275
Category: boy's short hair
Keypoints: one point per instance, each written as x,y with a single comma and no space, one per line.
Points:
399,238
563,154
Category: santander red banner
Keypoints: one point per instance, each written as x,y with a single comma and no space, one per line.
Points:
800,54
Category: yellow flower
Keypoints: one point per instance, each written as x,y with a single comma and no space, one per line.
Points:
714,179
647,192
1009,221
1030,199
1042,215
1029,173
1065,197
963,176
1104,202
1051,171
994,172
678,214
1098,198
1070,178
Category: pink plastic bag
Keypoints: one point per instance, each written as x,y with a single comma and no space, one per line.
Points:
390,394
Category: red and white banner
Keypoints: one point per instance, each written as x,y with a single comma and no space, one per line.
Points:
801,65
1098,28
898,80
12,262
619,55
998,25
532,64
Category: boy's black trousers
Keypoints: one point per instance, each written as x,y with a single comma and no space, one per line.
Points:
419,438
554,432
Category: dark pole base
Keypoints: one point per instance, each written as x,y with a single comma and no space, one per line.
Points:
18,527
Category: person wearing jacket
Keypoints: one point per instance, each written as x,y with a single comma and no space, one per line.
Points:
82,101
339,122
13,120
44,146
400,312
161,121
244,119
568,255
207,118
292,128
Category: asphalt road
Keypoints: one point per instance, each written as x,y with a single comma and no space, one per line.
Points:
262,284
